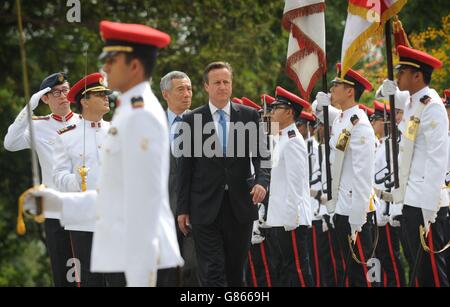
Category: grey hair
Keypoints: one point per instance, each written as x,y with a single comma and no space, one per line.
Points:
166,84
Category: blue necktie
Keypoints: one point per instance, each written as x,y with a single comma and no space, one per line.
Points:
223,131
174,128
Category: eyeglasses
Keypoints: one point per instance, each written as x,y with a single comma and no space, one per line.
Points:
57,93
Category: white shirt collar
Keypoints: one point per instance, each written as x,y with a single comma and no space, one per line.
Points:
171,116
226,109
349,112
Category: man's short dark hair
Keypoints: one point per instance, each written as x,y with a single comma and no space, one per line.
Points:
359,90
214,66
426,74
146,57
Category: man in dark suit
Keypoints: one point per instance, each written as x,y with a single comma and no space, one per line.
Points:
218,195
176,89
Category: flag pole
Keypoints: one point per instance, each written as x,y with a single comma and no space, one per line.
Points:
394,132
326,122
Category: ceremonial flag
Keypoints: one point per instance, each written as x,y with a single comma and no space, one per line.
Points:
365,21
306,59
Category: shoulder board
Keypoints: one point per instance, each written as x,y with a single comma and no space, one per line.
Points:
291,134
354,119
137,102
47,117
68,128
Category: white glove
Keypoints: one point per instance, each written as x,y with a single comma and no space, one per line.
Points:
394,221
34,102
289,227
52,200
388,88
429,217
354,230
323,100
324,225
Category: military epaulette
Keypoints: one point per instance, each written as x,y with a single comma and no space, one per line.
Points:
46,117
425,99
137,102
68,128
292,134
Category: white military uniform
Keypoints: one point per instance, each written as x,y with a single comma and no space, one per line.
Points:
381,163
317,208
427,171
135,228
45,131
74,148
289,204
357,175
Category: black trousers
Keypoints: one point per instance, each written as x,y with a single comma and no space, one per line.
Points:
388,252
432,268
294,268
355,275
186,276
82,247
60,251
322,258
258,271
222,248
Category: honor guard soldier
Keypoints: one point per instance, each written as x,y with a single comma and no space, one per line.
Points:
423,156
289,212
134,229
388,214
53,92
258,273
77,162
318,245
352,143
446,101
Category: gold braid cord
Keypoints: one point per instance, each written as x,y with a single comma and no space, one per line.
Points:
425,246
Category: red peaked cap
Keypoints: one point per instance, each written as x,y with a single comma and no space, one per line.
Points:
269,99
446,99
369,111
236,100
354,77
418,59
285,97
379,109
447,93
125,37
91,83
247,102
379,106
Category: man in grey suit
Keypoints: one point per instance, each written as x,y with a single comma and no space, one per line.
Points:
176,89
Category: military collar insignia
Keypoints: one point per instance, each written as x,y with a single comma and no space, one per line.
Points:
292,134
68,128
47,117
137,102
